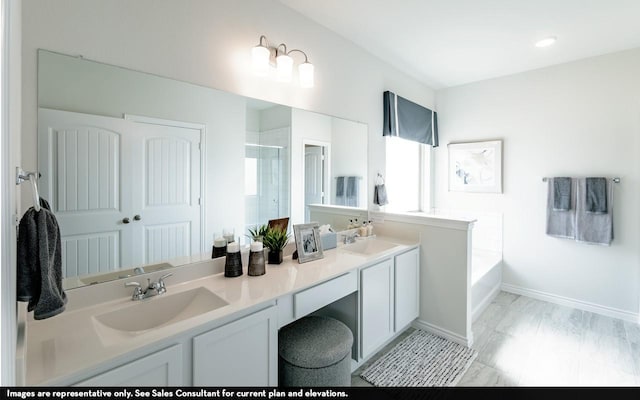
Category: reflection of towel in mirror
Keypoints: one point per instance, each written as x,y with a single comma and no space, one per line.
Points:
340,197
352,192
40,263
380,195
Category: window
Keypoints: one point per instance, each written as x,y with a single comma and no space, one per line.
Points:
408,180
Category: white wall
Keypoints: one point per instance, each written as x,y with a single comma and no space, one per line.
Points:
305,126
576,119
349,155
208,43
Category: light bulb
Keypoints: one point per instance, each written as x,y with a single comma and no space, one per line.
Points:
305,72
260,59
284,68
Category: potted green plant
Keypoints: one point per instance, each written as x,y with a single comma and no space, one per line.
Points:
275,239
258,233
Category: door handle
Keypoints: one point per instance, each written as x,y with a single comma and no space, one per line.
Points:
125,220
137,217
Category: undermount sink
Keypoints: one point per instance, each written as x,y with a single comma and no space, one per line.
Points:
369,246
161,310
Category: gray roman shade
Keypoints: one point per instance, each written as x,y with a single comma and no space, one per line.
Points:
408,120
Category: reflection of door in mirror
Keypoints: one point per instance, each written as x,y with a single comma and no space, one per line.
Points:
138,184
315,175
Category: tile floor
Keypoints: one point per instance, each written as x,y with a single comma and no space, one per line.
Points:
526,342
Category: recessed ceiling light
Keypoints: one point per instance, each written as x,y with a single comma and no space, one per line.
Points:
546,41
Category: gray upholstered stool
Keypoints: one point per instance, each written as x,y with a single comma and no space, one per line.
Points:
315,351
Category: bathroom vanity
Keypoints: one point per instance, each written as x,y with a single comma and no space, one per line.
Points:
208,330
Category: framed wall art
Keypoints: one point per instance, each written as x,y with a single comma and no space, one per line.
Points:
475,167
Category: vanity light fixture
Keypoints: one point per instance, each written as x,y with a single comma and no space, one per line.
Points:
546,42
265,57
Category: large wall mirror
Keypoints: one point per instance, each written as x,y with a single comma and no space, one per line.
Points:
142,171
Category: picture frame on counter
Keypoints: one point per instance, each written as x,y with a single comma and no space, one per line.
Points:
308,242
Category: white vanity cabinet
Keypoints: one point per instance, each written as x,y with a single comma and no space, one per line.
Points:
162,368
407,288
389,299
376,303
241,353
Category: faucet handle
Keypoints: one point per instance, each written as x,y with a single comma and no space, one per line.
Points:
161,286
165,276
137,292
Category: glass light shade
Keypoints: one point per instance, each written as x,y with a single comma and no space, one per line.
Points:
260,59
284,68
305,73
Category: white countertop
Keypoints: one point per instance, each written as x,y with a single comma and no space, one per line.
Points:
69,343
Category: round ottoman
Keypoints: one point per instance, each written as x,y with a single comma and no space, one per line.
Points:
315,351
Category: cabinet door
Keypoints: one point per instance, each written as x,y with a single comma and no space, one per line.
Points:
163,368
241,353
407,292
377,306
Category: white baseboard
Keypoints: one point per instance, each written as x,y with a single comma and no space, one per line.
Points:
569,302
479,309
447,334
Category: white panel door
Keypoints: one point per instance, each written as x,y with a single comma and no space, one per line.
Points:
376,305
124,193
313,177
81,158
166,172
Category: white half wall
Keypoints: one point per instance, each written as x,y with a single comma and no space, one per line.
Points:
575,119
209,43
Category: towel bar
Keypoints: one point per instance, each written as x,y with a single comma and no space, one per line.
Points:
615,180
22,176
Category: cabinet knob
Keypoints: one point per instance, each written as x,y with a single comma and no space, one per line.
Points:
137,217
125,220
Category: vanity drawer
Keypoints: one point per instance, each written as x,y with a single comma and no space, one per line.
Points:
314,298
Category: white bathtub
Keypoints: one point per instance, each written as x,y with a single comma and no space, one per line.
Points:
486,256
486,278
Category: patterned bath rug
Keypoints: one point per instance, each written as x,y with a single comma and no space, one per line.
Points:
421,359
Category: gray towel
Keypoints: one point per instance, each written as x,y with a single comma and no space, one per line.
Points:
40,263
380,195
596,228
596,195
340,197
561,194
340,186
352,191
561,223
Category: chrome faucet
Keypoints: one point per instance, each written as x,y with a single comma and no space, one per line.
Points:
153,288
350,237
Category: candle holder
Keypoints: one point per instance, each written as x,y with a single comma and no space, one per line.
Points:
219,251
233,263
219,248
256,263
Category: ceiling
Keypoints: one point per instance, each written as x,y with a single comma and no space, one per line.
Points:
452,42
